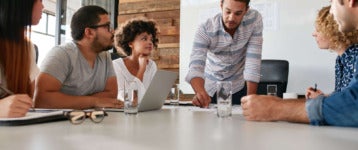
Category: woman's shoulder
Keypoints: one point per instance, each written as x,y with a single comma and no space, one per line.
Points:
118,61
152,65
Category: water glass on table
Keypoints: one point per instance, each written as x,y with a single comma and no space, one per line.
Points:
224,99
130,98
174,95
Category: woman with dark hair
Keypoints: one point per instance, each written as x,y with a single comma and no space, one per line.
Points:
137,38
18,69
329,37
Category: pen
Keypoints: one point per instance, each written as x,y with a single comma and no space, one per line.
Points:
315,87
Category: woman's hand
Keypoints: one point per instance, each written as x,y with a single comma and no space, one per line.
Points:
15,106
312,93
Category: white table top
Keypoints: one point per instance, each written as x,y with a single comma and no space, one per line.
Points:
174,129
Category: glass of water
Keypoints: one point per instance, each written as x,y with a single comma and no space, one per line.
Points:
131,98
224,98
174,95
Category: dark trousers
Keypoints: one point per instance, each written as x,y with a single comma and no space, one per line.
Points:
236,97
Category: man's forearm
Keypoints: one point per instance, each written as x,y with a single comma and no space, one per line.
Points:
106,94
251,87
292,111
60,100
197,84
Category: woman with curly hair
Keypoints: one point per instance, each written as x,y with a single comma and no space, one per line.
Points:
137,38
329,37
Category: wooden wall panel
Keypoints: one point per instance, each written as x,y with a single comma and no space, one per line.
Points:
148,6
167,15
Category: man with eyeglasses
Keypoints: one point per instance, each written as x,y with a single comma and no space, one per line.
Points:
79,74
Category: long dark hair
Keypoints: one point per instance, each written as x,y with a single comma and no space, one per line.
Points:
15,18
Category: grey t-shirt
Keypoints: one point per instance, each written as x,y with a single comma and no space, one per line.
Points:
67,64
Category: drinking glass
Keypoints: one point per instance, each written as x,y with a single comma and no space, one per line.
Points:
224,99
174,95
130,98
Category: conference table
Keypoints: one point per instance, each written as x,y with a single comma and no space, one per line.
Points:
176,128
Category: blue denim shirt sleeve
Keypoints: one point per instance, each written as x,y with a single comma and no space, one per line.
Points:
341,108
314,110
338,109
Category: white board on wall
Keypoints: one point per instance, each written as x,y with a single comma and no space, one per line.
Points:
288,27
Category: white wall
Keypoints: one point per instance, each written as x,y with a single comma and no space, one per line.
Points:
288,27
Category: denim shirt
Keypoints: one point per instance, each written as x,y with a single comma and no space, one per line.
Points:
345,67
338,109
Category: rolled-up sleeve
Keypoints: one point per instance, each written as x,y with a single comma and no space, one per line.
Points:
254,51
338,109
198,55
314,110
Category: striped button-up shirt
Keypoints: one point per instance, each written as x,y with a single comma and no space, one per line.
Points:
218,56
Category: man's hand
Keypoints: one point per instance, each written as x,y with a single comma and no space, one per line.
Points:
201,99
260,107
108,103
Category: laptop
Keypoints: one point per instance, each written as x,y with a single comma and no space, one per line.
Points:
157,91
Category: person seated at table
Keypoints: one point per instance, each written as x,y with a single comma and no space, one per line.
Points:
79,74
328,37
137,38
338,109
18,68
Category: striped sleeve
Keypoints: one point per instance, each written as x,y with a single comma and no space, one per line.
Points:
198,55
254,50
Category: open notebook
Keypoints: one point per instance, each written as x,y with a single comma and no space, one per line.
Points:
157,91
34,118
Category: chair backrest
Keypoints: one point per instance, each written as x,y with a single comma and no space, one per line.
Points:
37,53
273,72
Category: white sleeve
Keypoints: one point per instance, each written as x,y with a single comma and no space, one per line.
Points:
120,79
34,69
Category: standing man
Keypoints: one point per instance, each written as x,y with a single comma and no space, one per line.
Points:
338,109
227,47
79,74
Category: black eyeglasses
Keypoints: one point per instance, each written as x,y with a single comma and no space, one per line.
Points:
106,25
78,116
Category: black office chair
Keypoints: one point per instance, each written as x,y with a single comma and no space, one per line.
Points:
37,53
274,74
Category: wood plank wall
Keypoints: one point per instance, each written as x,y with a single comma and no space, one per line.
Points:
167,15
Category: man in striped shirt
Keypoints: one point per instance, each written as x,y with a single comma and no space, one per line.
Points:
227,47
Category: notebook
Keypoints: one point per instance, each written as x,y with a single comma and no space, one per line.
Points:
34,118
157,91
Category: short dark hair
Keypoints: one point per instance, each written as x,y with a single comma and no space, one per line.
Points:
127,32
245,1
85,17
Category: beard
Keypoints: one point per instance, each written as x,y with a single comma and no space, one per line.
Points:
100,46
109,47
